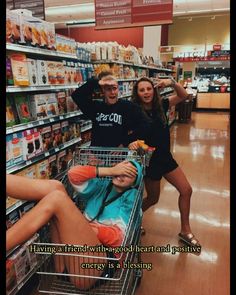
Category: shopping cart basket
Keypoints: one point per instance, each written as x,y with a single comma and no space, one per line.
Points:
119,280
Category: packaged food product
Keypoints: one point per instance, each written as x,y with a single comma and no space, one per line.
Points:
9,74
9,152
22,107
38,106
46,133
12,218
52,72
13,34
53,170
42,169
52,105
11,118
60,73
42,72
61,161
38,141
30,172
19,69
32,69
28,144
61,100
56,134
65,131
17,148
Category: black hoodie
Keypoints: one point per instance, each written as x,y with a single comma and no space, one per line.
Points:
111,123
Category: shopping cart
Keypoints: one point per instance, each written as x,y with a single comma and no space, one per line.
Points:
119,280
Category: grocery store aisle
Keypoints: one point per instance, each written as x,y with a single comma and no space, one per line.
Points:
202,150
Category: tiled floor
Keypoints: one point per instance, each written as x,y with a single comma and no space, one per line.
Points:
202,150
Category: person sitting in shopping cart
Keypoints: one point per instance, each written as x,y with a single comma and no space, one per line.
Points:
112,118
104,220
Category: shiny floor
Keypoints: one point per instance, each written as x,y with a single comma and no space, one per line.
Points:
201,148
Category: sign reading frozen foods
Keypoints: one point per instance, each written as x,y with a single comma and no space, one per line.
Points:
132,13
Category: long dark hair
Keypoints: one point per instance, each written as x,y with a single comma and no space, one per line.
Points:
156,102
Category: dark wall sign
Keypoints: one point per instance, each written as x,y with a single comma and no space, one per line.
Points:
36,6
132,13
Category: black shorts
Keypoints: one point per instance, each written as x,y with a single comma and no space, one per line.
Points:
159,165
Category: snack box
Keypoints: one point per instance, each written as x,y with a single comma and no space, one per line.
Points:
52,105
42,72
30,172
42,169
17,148
61,161
9,74
30,30
13,33
51,71
60,73
32,70
9,151
11,117
47,139
53,169
22,107
28,144
56,134
19,69
61,100
65,131
38,106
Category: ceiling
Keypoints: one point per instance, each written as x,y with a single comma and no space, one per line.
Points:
82,11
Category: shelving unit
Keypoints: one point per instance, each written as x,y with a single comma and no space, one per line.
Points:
38,52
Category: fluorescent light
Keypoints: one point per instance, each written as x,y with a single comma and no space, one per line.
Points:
70,9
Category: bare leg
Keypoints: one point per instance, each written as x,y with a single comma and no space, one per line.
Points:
153,193
72,227
23,188
180,182
55,238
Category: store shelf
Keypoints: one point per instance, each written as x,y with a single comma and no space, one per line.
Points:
167,91
41,122
125,96
85,128
43,156
39,51
14,89
86,144
15,206
109,61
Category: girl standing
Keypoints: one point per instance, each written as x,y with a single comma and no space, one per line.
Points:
162,163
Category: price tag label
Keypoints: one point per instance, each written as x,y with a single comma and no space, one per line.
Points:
30,125
51,119
46,154
28,162
41,122
56,149
61,117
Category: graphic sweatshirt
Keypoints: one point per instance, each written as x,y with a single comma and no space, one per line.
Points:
111,123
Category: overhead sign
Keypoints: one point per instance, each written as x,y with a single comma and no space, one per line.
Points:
132,13
36,6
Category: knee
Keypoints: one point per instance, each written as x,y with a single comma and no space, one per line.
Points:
55,200
186,191
56,185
